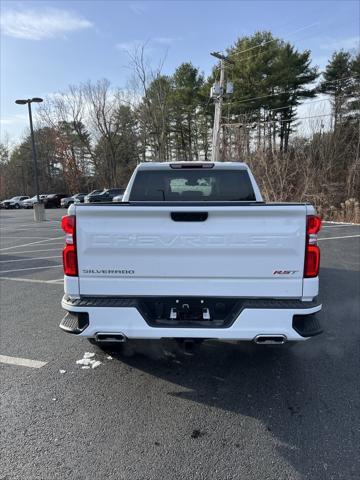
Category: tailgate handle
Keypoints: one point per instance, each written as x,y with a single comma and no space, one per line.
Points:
189,216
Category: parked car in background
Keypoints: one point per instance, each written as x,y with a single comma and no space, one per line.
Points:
119,198
14,202
89,195
67,201
53,200
106,195
29,203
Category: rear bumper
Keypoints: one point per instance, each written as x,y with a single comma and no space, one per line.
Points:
293,319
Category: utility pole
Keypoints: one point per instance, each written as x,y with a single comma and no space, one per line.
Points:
218,99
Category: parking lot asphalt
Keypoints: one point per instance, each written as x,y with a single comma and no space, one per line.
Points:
225,411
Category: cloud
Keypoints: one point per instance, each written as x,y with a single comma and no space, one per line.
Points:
14,119
348,43
132,45
137,7
129,46
165,40
41,24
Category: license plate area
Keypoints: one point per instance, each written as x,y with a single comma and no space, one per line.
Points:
189,311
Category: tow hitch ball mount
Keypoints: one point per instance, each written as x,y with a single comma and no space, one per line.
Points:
179,312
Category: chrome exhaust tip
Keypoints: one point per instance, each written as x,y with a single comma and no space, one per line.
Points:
270,339
110,337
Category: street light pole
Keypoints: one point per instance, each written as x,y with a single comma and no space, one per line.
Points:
39,211
34,154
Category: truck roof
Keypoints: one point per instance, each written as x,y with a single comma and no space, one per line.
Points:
195,164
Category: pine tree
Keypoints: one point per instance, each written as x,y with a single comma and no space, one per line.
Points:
271,78
186,101
353,105
337,83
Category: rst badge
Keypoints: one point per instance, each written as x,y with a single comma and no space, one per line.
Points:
285,272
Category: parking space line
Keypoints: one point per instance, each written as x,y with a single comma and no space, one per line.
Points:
5,237
37,225
23,362
14,230
31,243
39,250
15,227
31,280
342,223
339,226
30,268
337,238
29,259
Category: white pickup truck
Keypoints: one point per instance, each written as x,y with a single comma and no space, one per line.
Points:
192,252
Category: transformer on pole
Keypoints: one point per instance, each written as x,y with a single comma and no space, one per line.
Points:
217,92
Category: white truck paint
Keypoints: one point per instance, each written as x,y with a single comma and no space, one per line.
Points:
246,257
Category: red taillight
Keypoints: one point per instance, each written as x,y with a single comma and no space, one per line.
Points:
70,261
68,224
313,224
312,251
312,261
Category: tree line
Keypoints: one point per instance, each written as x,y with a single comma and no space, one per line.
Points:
94,134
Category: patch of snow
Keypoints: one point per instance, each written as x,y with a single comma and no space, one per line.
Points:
84,361
88,361
89,354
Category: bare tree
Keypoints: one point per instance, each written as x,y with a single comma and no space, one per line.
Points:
154,108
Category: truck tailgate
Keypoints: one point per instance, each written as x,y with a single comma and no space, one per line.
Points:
222,251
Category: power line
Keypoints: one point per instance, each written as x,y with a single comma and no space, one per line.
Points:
286,91
251,56
288,106
271,41
206,104
266,122
260,97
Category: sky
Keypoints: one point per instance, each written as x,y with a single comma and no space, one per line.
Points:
48,45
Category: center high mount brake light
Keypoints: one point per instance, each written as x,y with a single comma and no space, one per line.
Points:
192,165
